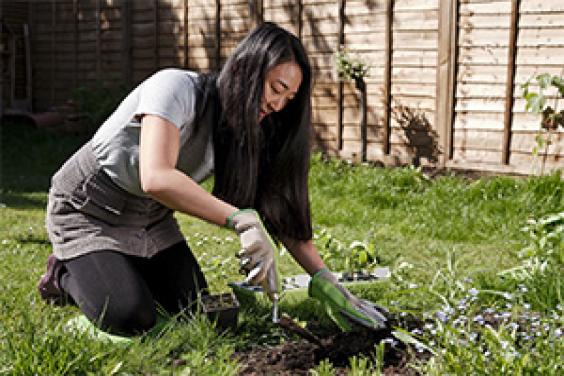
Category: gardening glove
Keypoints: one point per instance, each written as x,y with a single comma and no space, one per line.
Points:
343,307
257,249
270,284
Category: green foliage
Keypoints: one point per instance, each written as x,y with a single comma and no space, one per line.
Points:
510,323
546,236
360,366
536,102
97,102
451,234
31,156
356,257
349,67
324,368
542,261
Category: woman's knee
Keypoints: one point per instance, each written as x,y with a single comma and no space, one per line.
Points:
129,318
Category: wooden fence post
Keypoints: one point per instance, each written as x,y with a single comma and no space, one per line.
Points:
361,86
28,70
98,42
126,49
256,11
300,18
2,76
31,22
510,81
340,84
185,5
446,76
387,95
217,46
156,33
75,41
53,53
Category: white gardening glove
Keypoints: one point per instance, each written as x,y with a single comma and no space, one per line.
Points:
257,248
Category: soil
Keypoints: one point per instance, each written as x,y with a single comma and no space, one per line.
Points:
222,309
211,303
297,357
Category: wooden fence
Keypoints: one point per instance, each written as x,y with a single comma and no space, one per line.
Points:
444,84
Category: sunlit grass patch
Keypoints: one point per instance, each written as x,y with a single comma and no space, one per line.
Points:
489,293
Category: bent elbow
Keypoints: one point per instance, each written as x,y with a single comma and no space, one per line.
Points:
151,184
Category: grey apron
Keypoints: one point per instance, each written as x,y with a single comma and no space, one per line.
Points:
87,212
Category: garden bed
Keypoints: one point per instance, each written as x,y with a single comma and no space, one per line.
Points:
298,357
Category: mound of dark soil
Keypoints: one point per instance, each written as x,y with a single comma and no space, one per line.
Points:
298,357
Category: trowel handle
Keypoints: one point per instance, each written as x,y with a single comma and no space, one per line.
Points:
270,283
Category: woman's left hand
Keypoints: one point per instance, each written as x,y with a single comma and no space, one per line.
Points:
343,307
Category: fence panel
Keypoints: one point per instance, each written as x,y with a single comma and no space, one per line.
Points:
431,100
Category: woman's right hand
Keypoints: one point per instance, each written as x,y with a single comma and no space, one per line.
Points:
257,248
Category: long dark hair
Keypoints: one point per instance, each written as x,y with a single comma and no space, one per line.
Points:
266,165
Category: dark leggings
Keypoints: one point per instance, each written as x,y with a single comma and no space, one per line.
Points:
121,293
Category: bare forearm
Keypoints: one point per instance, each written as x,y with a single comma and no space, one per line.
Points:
179,192
305,253
158,152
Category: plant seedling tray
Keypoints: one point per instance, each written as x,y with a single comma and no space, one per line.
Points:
223,309
300,282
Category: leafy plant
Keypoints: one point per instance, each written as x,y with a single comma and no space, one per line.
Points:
351,68
97,102
542,259
324,368
359,256
360,366
545,247
551,117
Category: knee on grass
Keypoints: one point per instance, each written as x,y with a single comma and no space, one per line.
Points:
127,320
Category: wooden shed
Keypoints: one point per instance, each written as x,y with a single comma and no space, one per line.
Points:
444,84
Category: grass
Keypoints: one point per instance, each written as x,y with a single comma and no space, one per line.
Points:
442,238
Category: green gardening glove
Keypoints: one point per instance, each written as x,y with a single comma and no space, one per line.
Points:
343,307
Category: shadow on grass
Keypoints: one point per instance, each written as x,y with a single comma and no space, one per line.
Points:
30,156
20,200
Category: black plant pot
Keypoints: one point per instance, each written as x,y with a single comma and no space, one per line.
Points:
222,309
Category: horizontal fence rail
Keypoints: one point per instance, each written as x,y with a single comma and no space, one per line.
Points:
443,88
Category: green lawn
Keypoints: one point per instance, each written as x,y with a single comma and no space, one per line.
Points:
441,238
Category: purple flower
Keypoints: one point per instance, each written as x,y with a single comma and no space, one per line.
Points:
479,319
390,341
442,316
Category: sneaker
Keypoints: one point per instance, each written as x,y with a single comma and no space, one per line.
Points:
49,286
82,326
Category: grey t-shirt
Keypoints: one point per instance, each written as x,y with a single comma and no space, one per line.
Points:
170,94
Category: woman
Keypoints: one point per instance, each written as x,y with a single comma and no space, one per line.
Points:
118,251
